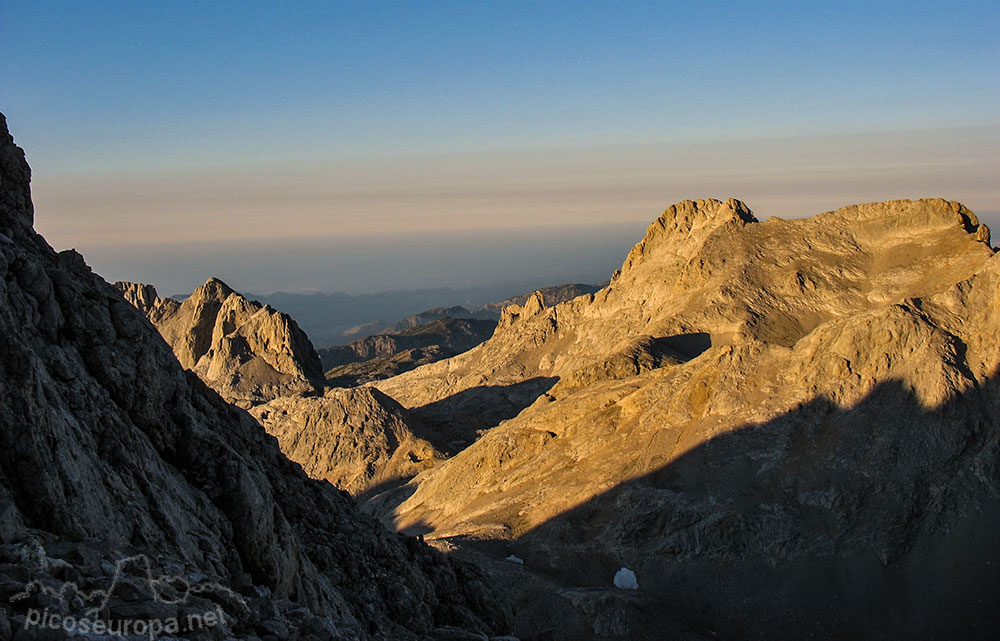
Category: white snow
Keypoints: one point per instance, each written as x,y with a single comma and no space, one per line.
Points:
515,559
625,579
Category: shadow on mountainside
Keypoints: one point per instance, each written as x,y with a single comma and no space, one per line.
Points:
456,419
876,521
688,346
380,499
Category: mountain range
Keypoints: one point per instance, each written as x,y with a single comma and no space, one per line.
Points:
784,429
754,430
338,318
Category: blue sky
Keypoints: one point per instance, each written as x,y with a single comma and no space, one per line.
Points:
127,92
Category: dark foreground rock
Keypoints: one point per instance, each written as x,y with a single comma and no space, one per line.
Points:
109,449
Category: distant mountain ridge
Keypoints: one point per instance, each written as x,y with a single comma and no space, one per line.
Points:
427,337
328,317
446,335
337,319
489,311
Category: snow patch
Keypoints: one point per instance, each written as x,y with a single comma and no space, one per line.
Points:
625,579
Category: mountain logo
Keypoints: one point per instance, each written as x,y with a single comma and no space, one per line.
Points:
170,589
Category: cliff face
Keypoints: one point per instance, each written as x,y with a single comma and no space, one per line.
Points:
107,444
248,352
785,429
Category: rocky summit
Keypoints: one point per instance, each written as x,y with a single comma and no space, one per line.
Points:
772,430
117,466
249,353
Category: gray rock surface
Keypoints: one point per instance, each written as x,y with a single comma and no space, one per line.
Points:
108,445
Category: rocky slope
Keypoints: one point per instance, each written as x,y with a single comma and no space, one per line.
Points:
108,447
248,352
786,429
385,355
358,439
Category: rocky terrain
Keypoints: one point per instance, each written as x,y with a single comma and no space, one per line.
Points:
258,358
385,355
785,429
249,353
358,439
756,430
108,448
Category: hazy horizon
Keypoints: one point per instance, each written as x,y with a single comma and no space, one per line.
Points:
366,148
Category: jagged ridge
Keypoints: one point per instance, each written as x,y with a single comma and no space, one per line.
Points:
248,352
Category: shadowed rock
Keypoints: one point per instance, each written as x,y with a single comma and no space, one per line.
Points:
108,445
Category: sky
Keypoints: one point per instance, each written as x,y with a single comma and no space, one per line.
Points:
372,146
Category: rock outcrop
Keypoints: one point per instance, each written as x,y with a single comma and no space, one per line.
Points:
107,446
720,278
358,439
247,352
551,296
785,429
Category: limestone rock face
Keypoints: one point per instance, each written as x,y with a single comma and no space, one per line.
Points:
357,439
785,429
550,295
145,299
248,352
534,305
108,446
714,277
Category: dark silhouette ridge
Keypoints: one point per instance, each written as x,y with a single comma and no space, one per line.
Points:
455,420
876,521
